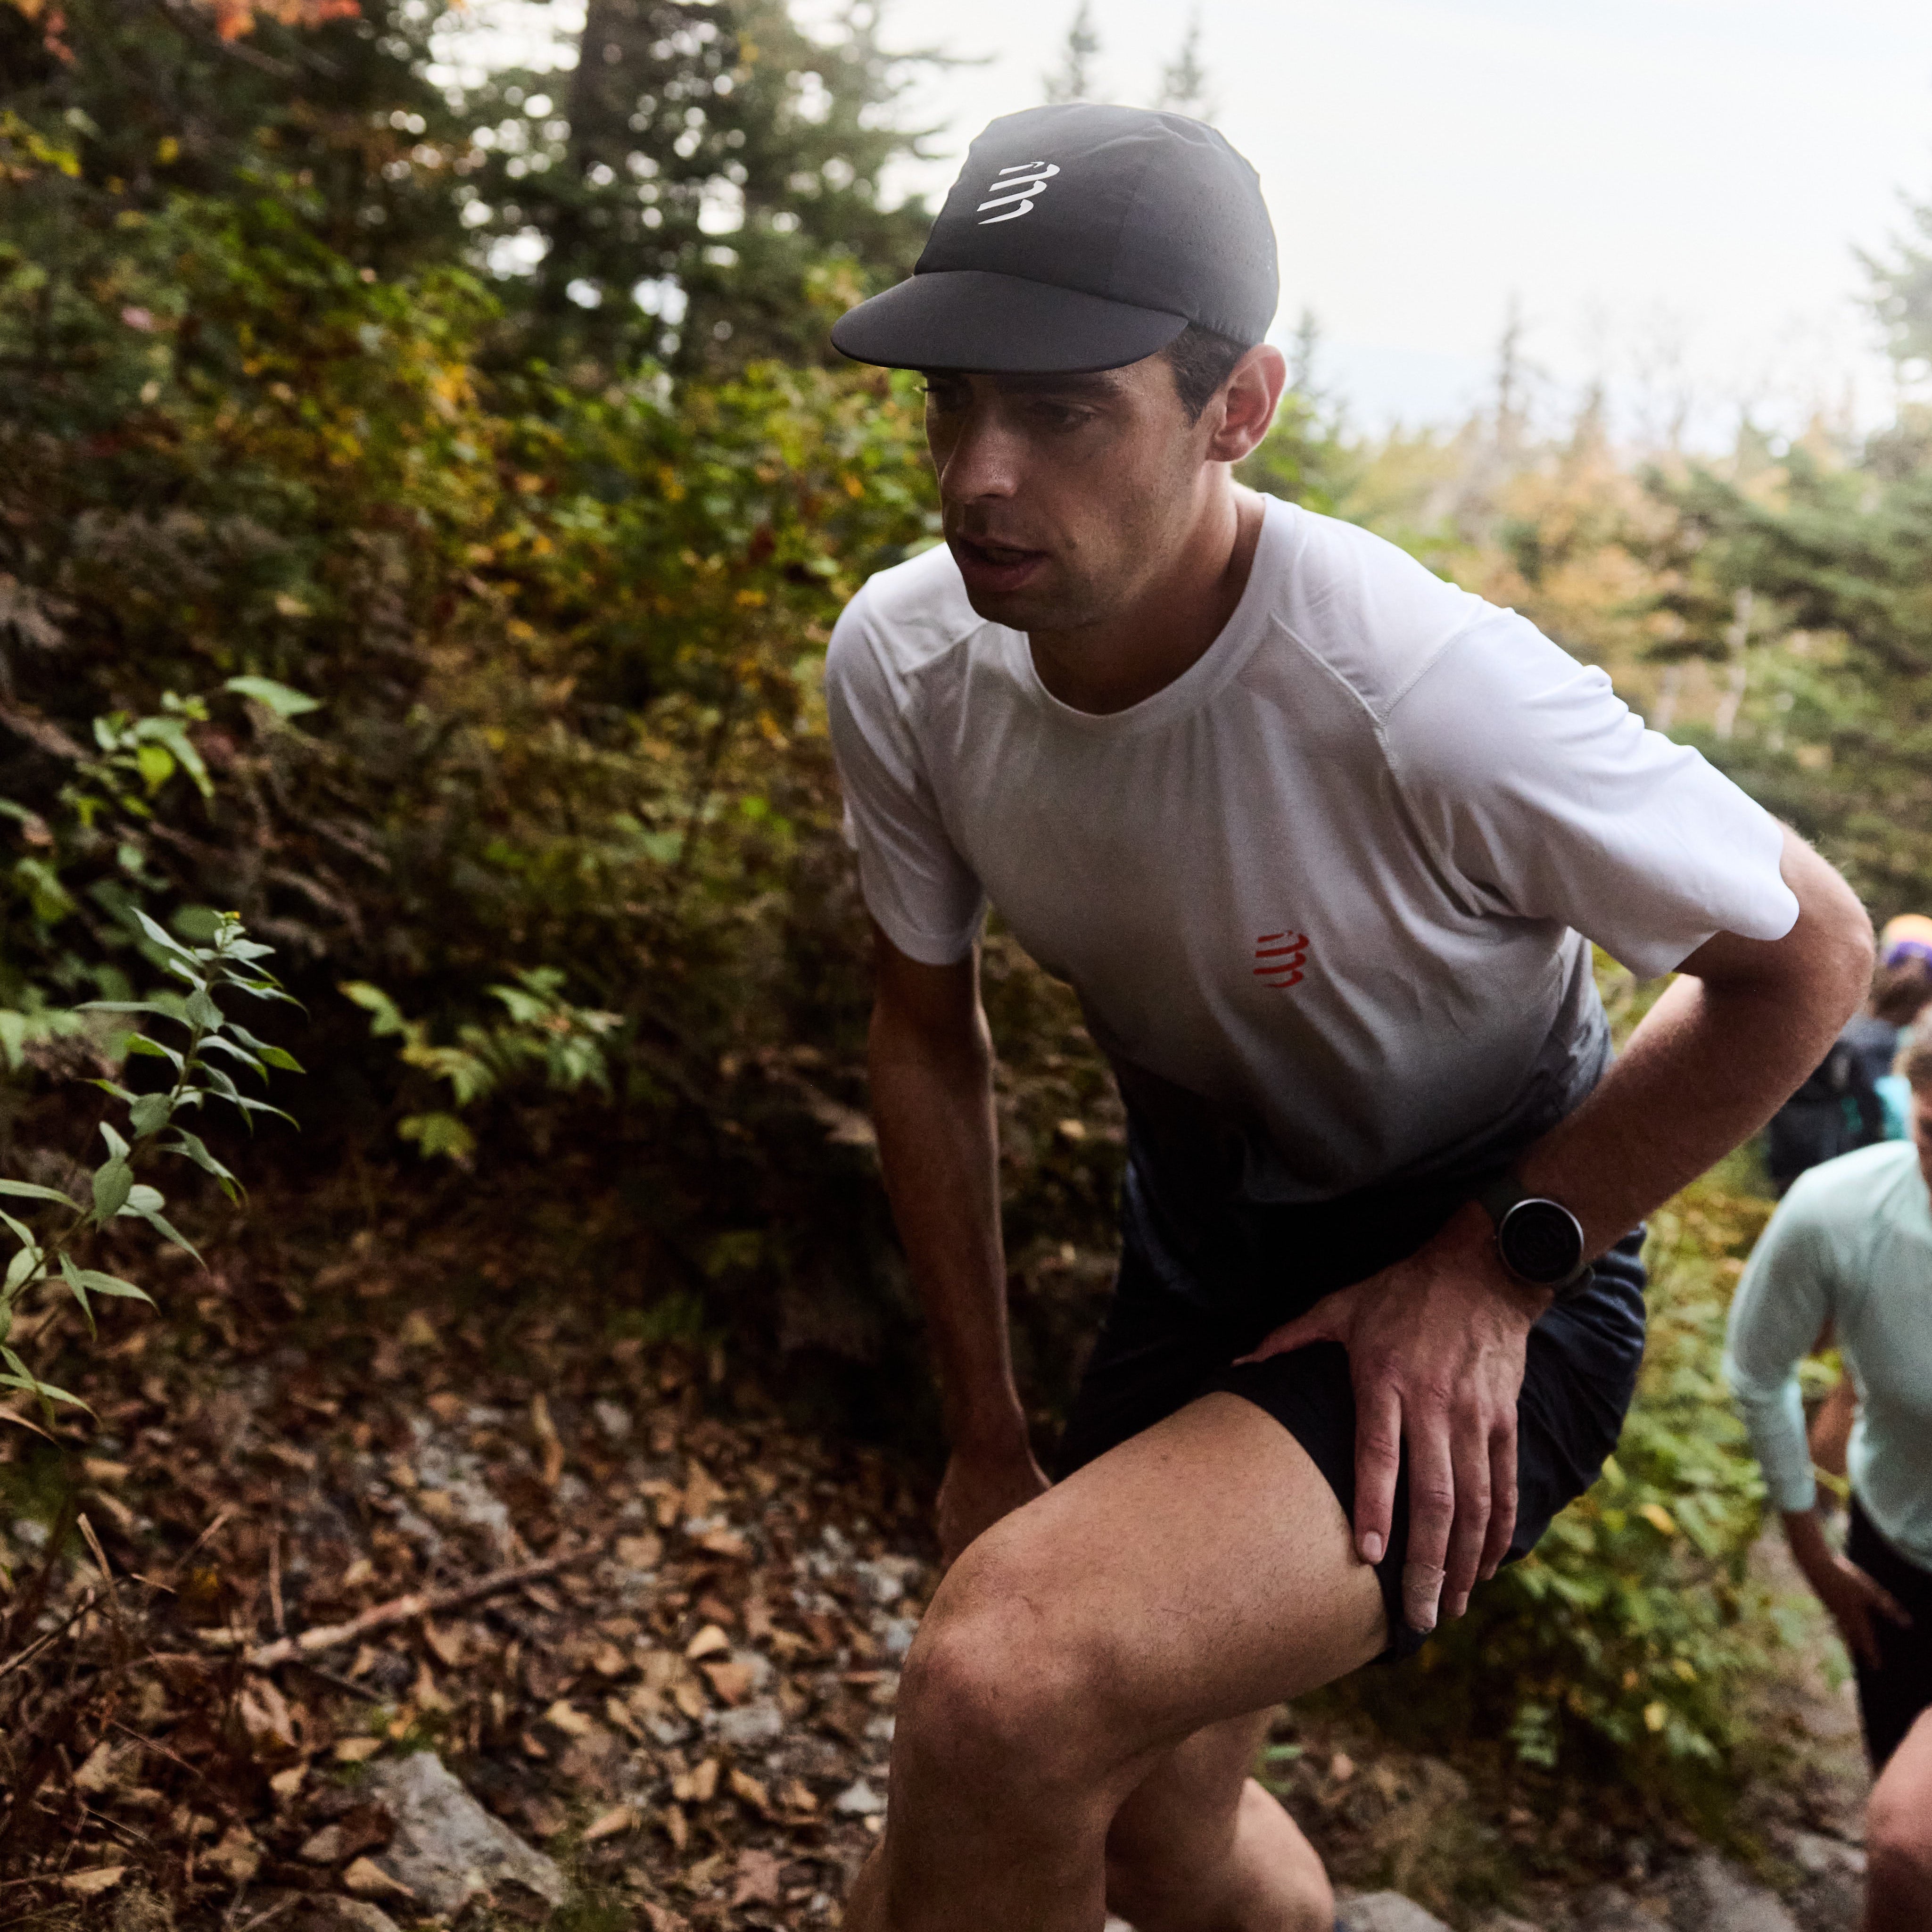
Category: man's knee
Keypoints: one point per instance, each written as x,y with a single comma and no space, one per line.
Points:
1898,1829
1001,1688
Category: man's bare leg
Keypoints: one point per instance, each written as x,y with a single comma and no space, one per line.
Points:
1198,1574
1898,1837
1200,1846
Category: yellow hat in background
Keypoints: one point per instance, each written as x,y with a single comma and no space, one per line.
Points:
1907,937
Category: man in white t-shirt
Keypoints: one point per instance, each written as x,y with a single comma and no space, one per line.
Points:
1320,841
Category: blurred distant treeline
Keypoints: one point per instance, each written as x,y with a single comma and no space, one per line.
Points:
425,495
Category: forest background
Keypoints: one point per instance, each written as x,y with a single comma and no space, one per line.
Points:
422,511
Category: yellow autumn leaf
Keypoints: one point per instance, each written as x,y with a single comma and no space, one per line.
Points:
1659,1518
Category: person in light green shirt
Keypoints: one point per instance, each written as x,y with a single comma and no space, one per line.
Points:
1849,1250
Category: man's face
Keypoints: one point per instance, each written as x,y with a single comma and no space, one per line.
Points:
1921,1129
1063,496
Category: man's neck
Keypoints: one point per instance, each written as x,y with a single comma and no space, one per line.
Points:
1108,667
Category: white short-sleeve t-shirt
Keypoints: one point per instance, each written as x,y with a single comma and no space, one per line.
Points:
1324,896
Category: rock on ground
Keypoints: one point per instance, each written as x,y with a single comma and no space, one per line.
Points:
447,1848
1714,1897
1387,1912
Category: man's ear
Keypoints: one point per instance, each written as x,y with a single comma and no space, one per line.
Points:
1246,403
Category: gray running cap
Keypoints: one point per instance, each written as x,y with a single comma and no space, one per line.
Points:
1077,238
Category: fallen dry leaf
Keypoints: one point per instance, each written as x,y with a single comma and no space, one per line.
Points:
758,1877
708,1642
357,1751
448,1644
731,1679
570,1720
545,1430
92,1884
237,1857
367,1880
609,1824
96,1771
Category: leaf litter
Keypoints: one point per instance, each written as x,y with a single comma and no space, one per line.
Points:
653,1628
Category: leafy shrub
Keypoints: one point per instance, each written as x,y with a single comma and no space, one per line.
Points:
45,1255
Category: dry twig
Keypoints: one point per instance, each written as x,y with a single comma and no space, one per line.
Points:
406,1609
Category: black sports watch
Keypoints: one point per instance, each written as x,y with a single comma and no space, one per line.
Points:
1538,1240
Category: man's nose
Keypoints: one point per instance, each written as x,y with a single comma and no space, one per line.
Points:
983,462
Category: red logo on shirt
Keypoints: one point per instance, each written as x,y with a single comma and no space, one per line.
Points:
1282,955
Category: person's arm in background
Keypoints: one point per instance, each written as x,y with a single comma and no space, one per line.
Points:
932,1065
1783,1302
1831,1431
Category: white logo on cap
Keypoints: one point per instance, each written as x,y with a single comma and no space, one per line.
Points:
1037,173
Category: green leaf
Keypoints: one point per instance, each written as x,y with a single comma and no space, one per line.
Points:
115,1145
113,1284
387,1016
188,1145
113,1183
170,1011
32,1190
24,1267
152,1049
201,1011
150,1114
438,1134
162,937
24,1378
275,1056
71,1275
214,1043
157,765
166,1228
281,699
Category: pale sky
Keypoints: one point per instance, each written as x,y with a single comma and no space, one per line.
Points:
1658,182
1649,178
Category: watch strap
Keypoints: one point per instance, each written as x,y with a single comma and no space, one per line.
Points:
1503,1193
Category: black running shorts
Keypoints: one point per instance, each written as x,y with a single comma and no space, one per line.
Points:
1168,1339
1893,1695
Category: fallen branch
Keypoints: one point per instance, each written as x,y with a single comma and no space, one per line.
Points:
406,1609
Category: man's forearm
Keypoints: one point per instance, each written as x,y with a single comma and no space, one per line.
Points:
1710,1062
933,1109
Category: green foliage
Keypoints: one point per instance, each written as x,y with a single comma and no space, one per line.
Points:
1830,643
543,1033
61,1227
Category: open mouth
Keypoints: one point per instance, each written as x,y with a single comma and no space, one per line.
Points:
988,566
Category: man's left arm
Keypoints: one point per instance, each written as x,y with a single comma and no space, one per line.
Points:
1436,1344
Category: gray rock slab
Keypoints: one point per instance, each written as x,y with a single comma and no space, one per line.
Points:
447,1848
1712,1896
1387,1912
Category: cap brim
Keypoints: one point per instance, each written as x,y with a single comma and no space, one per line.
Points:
1001,325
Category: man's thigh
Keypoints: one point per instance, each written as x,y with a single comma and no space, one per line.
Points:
1200,1571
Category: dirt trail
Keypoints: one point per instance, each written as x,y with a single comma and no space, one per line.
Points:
694,1721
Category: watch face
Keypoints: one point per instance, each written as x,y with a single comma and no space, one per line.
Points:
1541,1241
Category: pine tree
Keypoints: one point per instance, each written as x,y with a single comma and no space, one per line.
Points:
1073,78
1183,80
708,191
